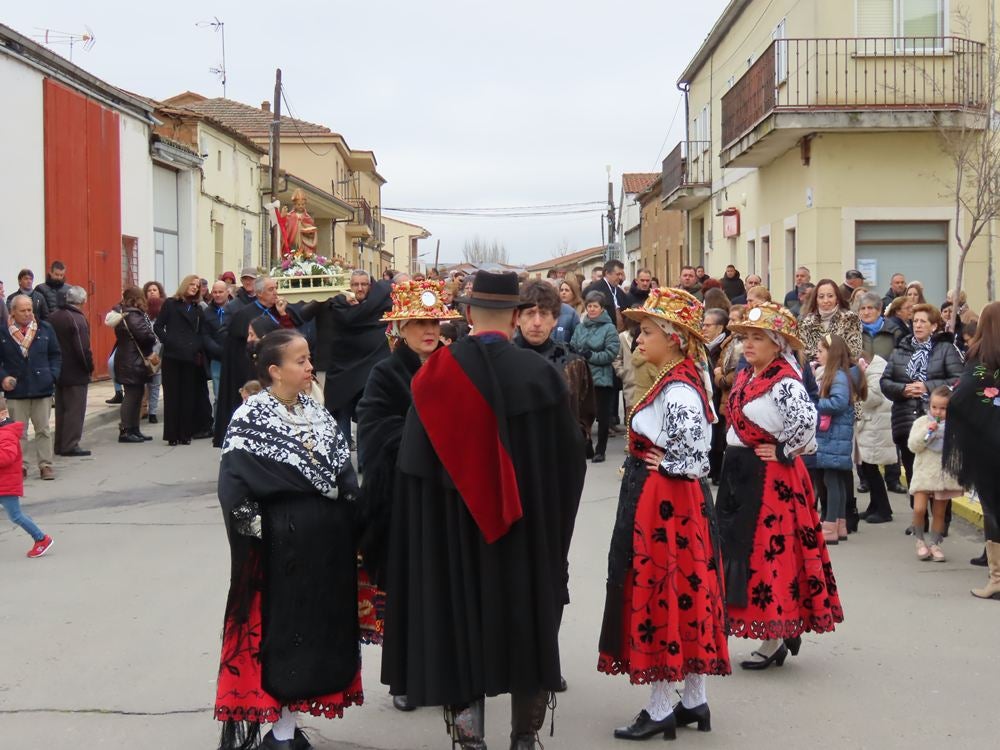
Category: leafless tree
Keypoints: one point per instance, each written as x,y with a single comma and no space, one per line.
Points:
478,250
561,249
974,152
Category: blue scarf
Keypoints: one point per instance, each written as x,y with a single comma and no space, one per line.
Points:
872,328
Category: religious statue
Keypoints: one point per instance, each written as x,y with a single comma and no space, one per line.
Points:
298,229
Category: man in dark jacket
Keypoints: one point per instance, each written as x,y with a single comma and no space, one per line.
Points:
802,276
73,333
215,319
639,291
54,289
350,340
609,285
488,484
29,366
25,280
897,288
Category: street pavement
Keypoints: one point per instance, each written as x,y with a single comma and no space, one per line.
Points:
112,639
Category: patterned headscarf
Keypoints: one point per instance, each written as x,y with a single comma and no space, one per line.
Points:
692,348
305,438
785,350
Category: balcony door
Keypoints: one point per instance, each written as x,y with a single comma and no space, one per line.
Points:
918,24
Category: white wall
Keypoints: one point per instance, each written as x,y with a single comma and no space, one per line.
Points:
137,189
22,191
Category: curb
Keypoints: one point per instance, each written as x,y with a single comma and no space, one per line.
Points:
99,418
968,510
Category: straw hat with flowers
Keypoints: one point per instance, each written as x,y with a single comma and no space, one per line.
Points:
772,318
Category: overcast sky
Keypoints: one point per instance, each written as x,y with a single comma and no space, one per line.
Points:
466,104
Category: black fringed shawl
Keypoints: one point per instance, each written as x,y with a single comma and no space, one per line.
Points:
972,431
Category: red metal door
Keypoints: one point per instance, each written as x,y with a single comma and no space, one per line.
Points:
83,203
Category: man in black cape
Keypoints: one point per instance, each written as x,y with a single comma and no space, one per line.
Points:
237,367
490,473
350,341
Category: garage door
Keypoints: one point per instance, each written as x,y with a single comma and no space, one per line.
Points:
916,249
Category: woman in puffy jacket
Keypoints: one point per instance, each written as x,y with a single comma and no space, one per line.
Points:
839,388
920,363
596,340
873,438
134,341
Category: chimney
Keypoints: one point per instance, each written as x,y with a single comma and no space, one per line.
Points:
265,105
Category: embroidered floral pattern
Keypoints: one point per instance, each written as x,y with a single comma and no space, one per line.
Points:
990,395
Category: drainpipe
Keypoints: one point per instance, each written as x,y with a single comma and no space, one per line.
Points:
685,88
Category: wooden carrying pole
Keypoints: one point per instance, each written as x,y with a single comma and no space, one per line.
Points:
275,159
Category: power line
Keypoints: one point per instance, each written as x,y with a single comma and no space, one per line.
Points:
295,124
656,164
504,208
508,215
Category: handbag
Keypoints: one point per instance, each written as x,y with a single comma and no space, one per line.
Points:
153,361
824,422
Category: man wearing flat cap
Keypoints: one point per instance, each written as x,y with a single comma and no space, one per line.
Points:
481,526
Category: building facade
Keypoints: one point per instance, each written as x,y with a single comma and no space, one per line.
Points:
662,246
817,136
402,242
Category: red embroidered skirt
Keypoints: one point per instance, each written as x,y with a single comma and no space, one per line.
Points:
673,618
240,697
791,588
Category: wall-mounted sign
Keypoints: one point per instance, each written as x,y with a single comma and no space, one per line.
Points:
730,223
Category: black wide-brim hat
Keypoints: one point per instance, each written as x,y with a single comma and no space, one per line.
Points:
495,291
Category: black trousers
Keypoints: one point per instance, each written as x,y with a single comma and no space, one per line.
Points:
71,408
605,403
131,406
878,498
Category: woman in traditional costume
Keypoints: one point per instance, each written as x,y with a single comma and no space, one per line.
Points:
415,328
779,581
287,490
664,618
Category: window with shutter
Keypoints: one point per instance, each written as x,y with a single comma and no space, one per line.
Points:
922,17
875,18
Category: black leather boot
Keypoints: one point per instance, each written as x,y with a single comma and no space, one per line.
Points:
527,715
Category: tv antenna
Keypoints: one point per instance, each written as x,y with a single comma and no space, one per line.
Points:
51,38
220,71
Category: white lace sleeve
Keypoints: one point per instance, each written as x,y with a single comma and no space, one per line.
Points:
685,434
798,416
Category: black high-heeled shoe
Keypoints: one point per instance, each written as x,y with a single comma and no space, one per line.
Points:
778,658
643,727
794,644
701,715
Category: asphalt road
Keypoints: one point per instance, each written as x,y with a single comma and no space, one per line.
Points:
112,639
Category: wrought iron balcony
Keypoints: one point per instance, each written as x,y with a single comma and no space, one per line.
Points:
687,175
851,75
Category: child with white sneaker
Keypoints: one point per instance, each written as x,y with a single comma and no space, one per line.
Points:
12,480
931,484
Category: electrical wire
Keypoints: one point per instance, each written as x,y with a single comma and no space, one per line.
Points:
508,215
656,163
293,118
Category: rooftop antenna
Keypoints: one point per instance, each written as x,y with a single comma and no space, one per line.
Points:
220,72
51,38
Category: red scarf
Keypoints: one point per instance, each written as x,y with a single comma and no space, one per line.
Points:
747,388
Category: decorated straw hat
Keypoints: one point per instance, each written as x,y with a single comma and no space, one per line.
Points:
675,306
419,300
770,316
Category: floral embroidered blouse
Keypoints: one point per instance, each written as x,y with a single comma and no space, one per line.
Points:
675,422
787,412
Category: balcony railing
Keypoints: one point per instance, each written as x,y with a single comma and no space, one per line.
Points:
883,73
367,216
688,165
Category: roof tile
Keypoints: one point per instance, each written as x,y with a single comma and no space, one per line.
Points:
638,182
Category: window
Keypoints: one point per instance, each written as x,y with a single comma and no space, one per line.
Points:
780,54
701,131
916,19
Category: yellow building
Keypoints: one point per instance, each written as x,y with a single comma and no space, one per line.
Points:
402,242
321,159
815,137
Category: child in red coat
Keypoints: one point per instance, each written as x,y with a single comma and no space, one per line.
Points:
12,480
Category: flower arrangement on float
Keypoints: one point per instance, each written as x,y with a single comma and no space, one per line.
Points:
298,264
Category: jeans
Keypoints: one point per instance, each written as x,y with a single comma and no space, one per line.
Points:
12,504
216,370
153,394
111,372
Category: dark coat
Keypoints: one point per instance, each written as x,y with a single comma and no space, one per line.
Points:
733,287
178,327
211,330
54,293
614,299
37,373
465,618
357,343
73,332
134,339
944,367
381,414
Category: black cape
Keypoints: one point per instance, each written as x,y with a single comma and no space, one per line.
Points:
356,340
465,618
381,415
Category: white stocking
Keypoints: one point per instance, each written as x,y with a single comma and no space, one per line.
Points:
767,648
284,727
659,706
694,691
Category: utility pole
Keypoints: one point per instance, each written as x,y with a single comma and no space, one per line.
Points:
275,159
437,254
611,212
